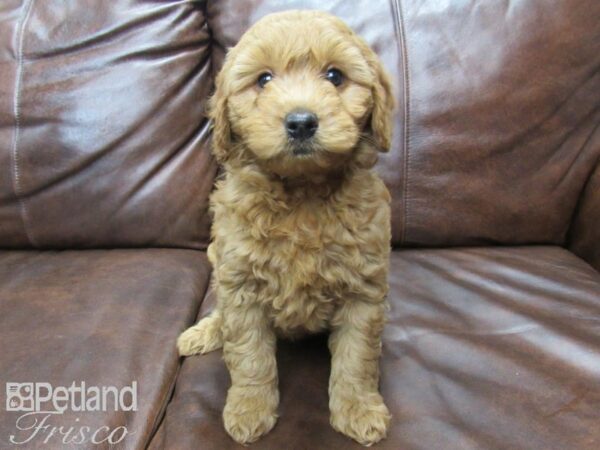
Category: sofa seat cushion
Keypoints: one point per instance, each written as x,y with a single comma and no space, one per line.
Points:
484,348
107,318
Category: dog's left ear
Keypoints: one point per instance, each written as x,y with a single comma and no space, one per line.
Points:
383,106
383,99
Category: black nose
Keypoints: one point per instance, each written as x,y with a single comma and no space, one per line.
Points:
301,124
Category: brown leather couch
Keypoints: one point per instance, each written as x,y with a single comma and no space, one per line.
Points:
493,340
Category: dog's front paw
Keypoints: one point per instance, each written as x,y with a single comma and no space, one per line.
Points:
250,412
362,417
203,337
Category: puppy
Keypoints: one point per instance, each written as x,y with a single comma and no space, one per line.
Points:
301,231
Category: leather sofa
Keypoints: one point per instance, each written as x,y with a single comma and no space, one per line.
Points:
493,339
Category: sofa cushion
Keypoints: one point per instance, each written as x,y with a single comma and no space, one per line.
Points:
485,348
107,318
103,135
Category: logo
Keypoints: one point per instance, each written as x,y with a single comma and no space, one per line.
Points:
19,397
40,402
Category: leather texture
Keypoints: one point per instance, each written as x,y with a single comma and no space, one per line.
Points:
491,105
106,317
502,114
485,348
103,137
585,231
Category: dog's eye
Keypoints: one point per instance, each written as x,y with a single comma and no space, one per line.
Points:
264,78
335,76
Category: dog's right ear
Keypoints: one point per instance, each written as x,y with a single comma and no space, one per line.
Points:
217,111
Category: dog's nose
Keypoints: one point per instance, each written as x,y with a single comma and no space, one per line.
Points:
301,124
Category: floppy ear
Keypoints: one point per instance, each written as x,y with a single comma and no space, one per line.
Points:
221,137
383,99
383,106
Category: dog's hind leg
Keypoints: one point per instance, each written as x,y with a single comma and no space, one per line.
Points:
203,337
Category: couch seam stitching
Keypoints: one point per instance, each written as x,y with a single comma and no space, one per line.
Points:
406,140
17,127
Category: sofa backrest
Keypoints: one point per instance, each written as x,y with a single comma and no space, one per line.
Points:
104,139
103,136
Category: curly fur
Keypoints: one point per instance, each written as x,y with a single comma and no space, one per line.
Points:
299,243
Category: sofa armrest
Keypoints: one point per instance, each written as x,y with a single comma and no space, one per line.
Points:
584,234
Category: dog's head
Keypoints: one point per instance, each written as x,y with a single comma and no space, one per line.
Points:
301,94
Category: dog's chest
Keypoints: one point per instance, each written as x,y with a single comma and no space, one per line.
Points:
306,261
301,259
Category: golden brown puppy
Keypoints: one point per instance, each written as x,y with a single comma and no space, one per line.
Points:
301,232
